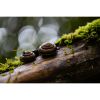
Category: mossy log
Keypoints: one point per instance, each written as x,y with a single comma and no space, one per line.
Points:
73,64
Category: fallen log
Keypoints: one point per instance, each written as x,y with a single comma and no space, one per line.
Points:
66,66
77,63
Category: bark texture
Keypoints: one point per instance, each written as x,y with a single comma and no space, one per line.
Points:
69,65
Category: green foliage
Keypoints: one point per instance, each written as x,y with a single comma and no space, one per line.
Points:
9,65
87,33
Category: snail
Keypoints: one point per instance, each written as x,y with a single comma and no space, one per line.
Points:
27,57
47,49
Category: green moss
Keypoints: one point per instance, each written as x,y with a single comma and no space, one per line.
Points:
87,33
3,74
9,65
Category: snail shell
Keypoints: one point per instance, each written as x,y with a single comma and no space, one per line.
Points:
27,57
47,49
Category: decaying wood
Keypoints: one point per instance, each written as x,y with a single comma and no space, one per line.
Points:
78,65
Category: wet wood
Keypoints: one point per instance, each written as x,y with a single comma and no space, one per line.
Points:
69,62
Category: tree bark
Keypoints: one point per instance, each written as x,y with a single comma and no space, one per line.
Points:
69,65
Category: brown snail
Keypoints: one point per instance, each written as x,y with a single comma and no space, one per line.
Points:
47,49
27,57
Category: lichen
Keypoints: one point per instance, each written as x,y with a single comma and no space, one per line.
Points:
65,52
68,61
10,65
89,32
72,50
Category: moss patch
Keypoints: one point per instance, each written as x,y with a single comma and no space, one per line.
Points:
87,33
9,65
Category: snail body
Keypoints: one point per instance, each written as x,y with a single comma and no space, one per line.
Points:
27,57
36,52
47,49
